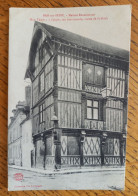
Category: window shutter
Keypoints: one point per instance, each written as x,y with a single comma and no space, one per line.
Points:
101,110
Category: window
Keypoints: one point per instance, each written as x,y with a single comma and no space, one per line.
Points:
93,74
98,75
41,113
92,109
42,82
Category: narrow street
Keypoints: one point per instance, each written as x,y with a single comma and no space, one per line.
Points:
85,180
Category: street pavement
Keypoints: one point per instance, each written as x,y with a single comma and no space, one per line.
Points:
85,180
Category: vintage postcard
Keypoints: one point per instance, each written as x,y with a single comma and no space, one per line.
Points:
68,97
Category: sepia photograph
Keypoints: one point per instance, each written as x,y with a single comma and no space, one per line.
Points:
68,98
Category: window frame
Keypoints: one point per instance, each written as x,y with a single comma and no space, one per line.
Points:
41,112
92,107
94,83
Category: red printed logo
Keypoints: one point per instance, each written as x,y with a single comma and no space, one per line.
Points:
18,176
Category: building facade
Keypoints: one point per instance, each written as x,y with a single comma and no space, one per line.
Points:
19,128
79,99
15,136
27,144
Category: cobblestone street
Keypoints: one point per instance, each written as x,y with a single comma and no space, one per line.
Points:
84,180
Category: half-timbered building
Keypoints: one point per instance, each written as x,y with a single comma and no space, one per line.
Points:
79,99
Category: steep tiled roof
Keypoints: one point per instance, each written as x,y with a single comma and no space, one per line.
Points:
85,42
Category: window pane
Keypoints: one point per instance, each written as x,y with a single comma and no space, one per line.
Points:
89,113
89,103
95,104
95,114
40,117
99,72
88,73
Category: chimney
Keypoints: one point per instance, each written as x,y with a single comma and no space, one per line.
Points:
28,96
12,119
20,105
14,112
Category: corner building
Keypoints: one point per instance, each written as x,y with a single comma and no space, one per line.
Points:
79,99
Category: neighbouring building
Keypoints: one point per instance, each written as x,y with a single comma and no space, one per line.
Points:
27,144
20,133
79,99
14,135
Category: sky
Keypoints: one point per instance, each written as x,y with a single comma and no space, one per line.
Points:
113,30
